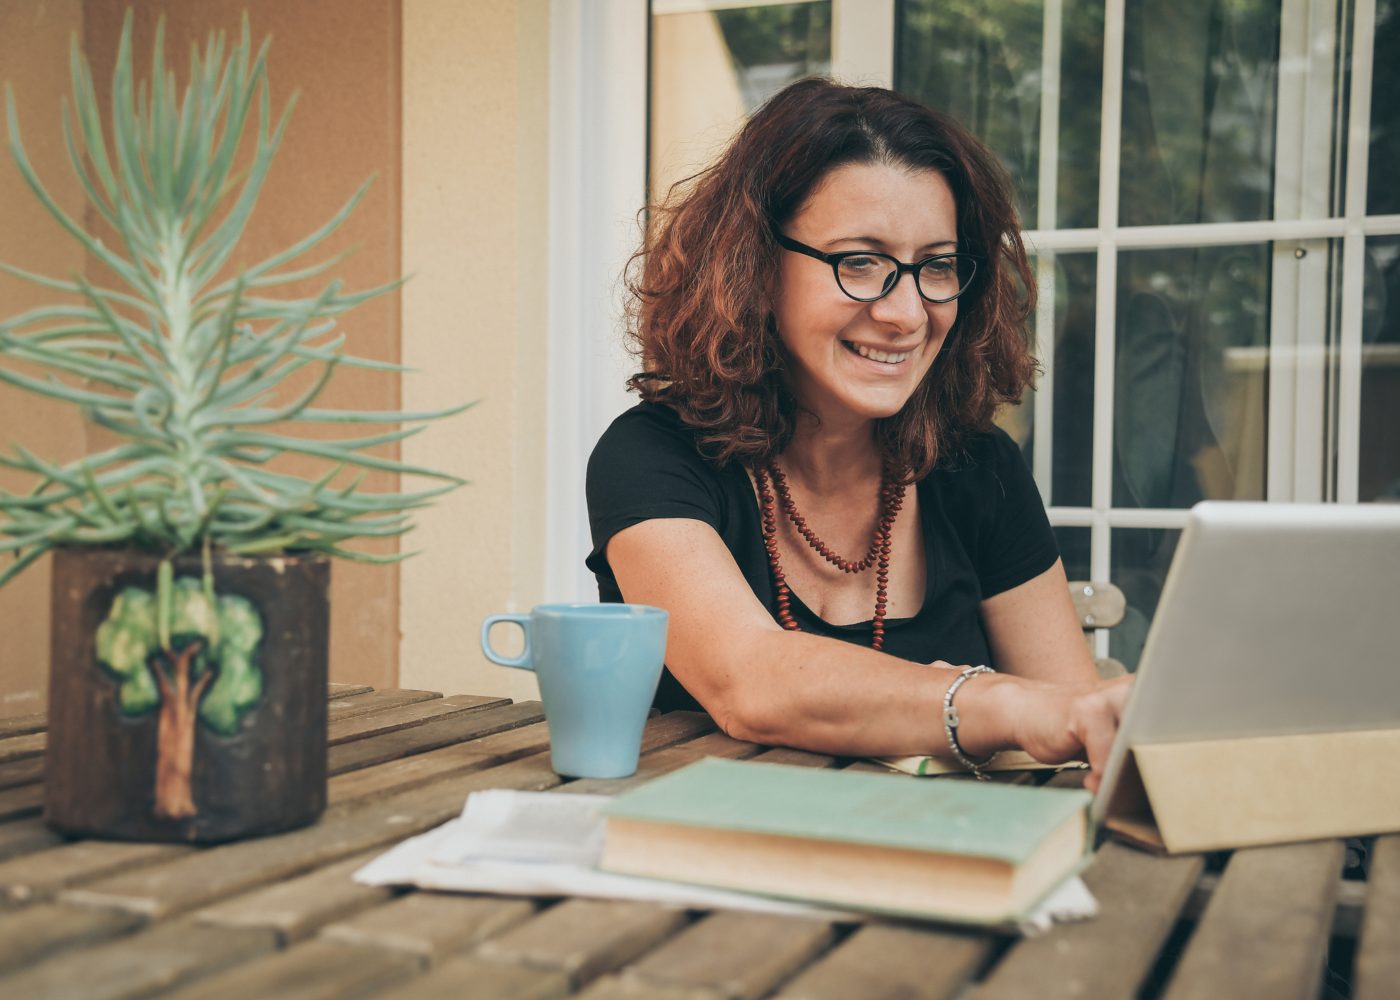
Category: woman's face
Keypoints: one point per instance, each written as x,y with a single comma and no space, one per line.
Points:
906,213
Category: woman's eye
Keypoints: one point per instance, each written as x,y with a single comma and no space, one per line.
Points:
854,264
940,268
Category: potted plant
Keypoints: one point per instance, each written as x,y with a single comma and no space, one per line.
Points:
188,680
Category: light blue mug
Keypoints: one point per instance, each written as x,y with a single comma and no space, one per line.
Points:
598,666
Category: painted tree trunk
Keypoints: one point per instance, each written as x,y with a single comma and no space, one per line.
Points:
175,737
149,745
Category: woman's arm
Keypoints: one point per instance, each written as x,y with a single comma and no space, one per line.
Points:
766,685
1033,631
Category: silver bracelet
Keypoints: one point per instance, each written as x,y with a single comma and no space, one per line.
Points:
951,721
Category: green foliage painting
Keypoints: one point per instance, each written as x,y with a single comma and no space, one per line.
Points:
189,654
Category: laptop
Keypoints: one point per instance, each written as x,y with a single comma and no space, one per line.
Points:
1275,619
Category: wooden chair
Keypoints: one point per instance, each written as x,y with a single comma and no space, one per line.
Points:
1099,605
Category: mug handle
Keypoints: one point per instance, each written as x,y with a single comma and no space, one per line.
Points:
522,661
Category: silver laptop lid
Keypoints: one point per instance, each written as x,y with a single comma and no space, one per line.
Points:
1275,618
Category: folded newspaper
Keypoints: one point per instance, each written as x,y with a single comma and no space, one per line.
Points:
549,843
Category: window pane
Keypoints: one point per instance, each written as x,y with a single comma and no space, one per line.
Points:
1140,559
1382,194
1380,373
1076,278
1074,552
711,69
1191,377
980,60
1199,102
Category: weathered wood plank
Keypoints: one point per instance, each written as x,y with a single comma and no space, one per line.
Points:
881,962
21,772
25,836
297,908
340,689
795,758
139,964
406,716
23,725
619,987
465,977
17,803
1378,950
351,706
42,875
584,938
664,761
431,926
735,956
431,735
1140,897
1265,931
20,747
218,872
312,970
31,934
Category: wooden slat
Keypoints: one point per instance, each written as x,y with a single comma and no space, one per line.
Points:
31,934
25,836
43,875
351,706
737,956
584,938
467,977
21,772
297,908
139,964
20,747
1265,931
880,962
488,751
22,725
431,926
664,761
619,987
1098,605
406,716
1378,950
17,803
431,735
795,758
1139,896
313,970
340,689
219,872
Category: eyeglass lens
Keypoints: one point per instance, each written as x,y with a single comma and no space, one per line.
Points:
870,276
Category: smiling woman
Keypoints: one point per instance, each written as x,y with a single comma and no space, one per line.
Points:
801,399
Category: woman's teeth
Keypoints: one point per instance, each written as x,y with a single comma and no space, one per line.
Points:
881,356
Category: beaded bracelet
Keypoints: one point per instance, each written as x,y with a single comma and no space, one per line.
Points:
951,721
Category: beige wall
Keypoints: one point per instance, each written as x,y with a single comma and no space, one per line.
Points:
34,59
475,155
342,56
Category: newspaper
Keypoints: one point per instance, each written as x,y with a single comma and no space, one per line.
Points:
549,843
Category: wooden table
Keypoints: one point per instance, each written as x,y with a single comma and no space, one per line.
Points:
280,917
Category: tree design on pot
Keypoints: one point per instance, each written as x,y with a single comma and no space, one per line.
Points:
167,649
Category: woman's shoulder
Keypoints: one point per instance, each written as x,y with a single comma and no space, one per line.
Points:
984,452
648,426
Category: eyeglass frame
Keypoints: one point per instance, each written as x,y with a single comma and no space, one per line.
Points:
901,268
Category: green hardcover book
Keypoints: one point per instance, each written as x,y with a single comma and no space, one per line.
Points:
965,851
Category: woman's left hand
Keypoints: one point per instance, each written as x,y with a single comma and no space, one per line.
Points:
1056,723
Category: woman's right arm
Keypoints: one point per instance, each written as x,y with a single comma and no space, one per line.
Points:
766,685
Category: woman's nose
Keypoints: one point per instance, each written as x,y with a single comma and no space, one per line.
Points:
903,307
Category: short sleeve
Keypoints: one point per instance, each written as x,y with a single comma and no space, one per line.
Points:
646,466
1016,543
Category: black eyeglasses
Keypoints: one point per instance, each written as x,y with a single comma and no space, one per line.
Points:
867,276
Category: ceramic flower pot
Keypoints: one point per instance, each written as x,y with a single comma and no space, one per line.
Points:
186,712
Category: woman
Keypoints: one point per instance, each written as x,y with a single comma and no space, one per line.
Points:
829,319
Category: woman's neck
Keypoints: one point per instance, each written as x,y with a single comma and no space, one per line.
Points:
829,459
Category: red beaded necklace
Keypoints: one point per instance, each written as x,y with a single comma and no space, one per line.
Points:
891,500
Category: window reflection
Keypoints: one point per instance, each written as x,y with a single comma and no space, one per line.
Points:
1380,373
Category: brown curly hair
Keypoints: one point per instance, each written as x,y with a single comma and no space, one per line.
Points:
701,285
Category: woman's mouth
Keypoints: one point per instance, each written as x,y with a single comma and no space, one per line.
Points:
883,357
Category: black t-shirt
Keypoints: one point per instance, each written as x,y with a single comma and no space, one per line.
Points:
984,529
